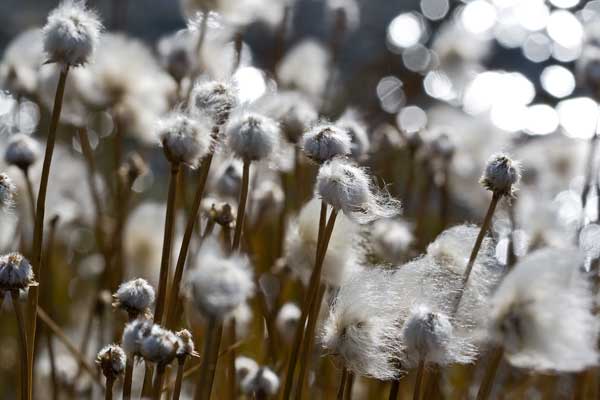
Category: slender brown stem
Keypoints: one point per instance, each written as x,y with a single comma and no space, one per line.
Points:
22,343
349,386
185,242
210,356
30,193
239,221
147,383
432,386
490,373
38,230
179,378
108,392
47,295
313,287
68,344
167,244
394,389
482,232
231,376
158,381
340,392
307,343
237,51
589,169
128,377
419,380
445,198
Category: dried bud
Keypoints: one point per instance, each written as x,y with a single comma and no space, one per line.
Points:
184,140
326,141
135,297
186,344
214,99
253,137
15,272
22,151
501,175
111,360
71,34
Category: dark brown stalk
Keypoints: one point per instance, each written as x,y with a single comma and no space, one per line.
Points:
128,377
490,373
210,355
147,382
108,392
394,389
25,383
445,199
167,243
179,378
419,380
239,221
48,289
340,392
38,230
231,376
185,242
30,193
349,386
158,381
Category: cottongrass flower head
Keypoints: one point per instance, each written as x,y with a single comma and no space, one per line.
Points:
253,137
159,346
429,336
348,188
219,283
361,328
357,130
7,192
501,175
392,239
184,140
21,151
111,360
245,367
134,334
186,346
71,34
15,272
542,313
135,297
287,320
214,99
264,382
323,142
295,112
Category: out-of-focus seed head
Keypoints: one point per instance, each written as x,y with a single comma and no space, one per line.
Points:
501,175
214,99
15,272
160,346
356,129
245,368
184,140
135,297
71,34
7,192
287,320
325,141
263,382
133,335
111,360
22,151
253,137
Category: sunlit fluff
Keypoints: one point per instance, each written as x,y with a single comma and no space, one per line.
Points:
71,33
135,297
542,313
293,110
159,346
361,328
287,320
323,142
7,192
356,129
184,140
501,174
214,99
392,239
348,188
111,359
219,283
133,335
253,137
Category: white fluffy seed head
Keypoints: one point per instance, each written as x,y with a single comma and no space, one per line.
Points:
214,99
71,34
348,188
160,346
7,192
253,137
287,321
220,283
264,381
15,272
245,368
501,175
184,140
111,360
356,129
22,151
323,142
135,297
361,328
186,346
542,313
133,335
392,239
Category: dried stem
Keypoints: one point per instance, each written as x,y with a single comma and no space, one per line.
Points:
167,243
187,237
349,386
490,373
340,392
239,221
394,389
231,376
30,193
25,383
419,380
147,383
128,377
38,230
210,356
108,392
179,378
158,381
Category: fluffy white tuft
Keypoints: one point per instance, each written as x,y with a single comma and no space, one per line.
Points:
214,99
348,188
392,239
325,141
184,140
356,129
159,346
287,320
542,313
253,137
219,283
133,335
263,381
135,296
245,367
501,174
71,34
7,192
15,272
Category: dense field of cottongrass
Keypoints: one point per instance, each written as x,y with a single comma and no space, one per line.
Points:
194,221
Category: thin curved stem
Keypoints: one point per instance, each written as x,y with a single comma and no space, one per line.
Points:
178,379
394,389
30,193
340,392
419,380
38,230
239,221
128,378
25,383
158,382
147,382
167,244
490,374
349,386
210,356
